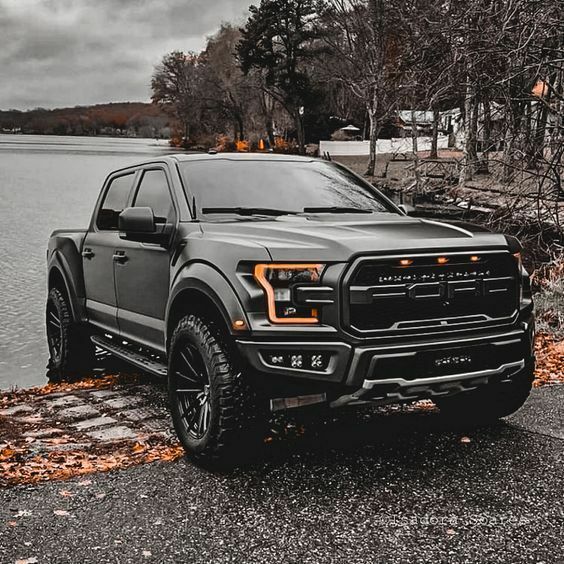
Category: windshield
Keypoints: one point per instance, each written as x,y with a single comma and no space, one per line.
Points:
291,186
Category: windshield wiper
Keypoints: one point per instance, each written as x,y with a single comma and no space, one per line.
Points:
335,209
248,211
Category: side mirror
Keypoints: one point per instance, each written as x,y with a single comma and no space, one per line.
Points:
138,224
407,209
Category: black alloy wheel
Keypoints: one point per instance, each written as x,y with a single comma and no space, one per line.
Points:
54,331
215,410
71,352
191,385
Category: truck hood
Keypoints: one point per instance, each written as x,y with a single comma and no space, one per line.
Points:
325,238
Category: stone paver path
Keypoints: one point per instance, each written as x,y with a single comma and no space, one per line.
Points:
107,422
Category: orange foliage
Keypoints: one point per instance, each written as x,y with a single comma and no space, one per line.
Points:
281,145
224,143
242,146
68,464
550,360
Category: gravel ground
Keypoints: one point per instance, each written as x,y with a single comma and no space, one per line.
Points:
385,487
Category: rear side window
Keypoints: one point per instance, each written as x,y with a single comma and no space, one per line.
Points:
114,202
153,193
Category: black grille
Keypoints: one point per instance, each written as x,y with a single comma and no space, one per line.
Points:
428,363
435,291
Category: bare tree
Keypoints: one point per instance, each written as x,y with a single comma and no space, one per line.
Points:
361,38
225,90
176,87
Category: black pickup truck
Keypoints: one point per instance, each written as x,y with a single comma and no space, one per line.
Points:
258,283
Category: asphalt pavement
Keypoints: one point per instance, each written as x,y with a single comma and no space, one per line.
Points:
370,487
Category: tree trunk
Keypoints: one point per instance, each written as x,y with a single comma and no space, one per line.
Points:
298,119
508,141
487,141
539,135
473,138
513,136
240,127
435,138
415,145
414,136
470,124
373,132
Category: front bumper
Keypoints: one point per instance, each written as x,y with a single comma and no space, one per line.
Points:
403,372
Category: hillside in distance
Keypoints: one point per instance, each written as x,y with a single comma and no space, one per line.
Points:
121,119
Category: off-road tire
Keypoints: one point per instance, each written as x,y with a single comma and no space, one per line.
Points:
489,403
73,357
237,422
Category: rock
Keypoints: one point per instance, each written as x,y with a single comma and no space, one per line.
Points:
78,412
42,433
63,401
113,434
14,410
95,422
102,394
139,414
124,402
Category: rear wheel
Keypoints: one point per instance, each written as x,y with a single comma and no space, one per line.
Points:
214,409
71,352
488,403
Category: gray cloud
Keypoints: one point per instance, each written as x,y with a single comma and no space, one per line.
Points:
56,53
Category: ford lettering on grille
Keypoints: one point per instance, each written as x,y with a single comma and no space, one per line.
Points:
383,295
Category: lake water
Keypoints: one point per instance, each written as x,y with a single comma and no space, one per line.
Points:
46,183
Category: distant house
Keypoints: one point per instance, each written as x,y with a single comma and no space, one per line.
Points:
423,122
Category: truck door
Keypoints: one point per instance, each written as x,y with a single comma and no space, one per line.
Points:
143,273
98,251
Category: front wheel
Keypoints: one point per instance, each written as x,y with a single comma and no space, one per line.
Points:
71,352
215,411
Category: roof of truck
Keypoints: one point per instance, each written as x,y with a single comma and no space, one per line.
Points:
239,157
193,157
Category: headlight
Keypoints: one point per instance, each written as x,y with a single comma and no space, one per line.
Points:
277,280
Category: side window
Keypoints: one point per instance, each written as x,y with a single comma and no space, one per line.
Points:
153,193
114,202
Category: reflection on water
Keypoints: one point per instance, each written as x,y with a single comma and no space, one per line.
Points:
46,183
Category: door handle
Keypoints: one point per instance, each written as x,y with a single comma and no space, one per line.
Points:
120,257
88,253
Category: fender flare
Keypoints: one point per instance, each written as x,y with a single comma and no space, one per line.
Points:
58,262
204,278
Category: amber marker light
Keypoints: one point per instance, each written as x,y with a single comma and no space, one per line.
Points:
260,274
406,262
474,258
239,324
442,260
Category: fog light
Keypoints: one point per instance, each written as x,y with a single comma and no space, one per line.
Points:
316,361
301,360
296,361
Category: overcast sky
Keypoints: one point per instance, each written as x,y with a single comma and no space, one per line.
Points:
56,53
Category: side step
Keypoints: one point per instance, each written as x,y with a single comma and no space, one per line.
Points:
132,355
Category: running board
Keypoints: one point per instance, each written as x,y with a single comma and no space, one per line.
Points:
131,355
